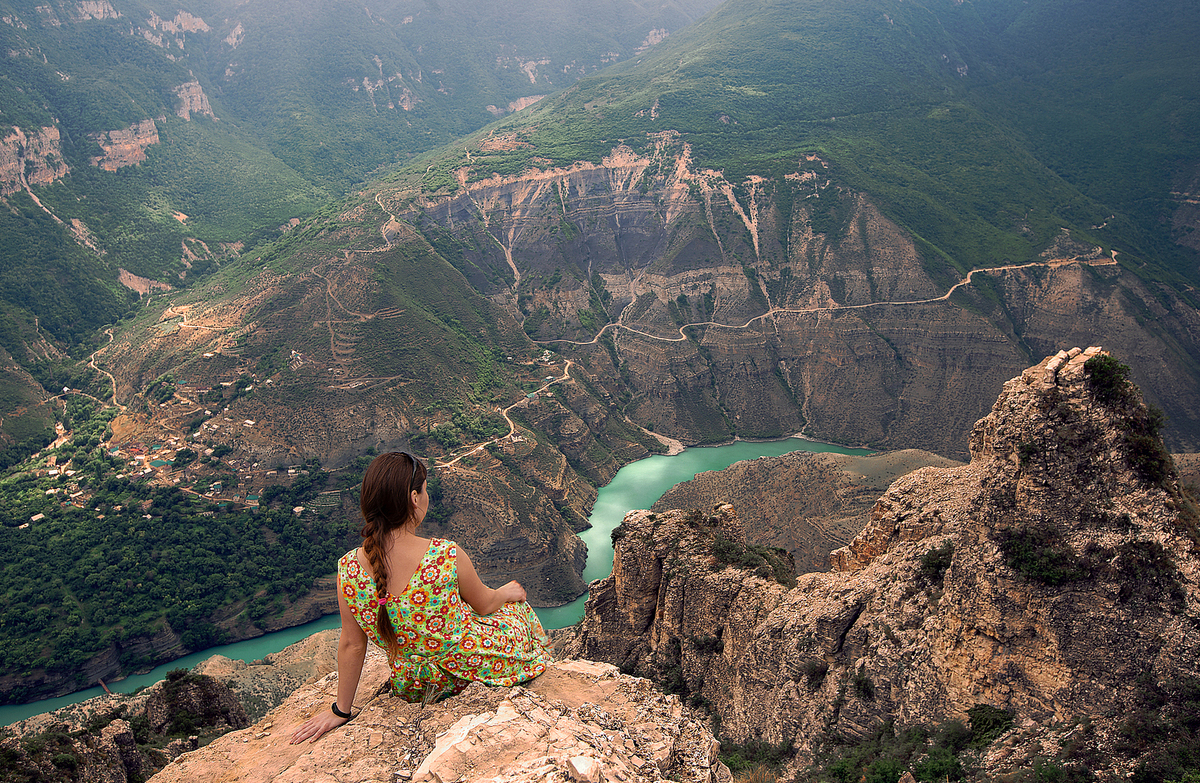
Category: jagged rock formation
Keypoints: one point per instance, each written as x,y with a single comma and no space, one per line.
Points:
579,721
33,158
192,100
807,503
1055,576
125,147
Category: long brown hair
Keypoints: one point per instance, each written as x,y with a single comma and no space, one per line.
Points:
386,504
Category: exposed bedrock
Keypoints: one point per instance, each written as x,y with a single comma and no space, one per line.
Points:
1064,587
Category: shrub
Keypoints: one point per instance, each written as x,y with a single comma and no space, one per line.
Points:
1147,455
1037,554
815,670
987,723
1108,379
863,686
940,764
935,562
742,758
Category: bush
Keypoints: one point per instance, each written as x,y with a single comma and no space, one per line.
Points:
815,670
940,764
755,754
1147,455
1037,554
987,723
1108,379
935,562
863,686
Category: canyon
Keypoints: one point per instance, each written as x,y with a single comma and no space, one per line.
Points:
935,611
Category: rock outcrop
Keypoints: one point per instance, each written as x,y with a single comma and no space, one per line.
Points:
805,502
125,147
580,721
33,158
192,100
1056,577
121,738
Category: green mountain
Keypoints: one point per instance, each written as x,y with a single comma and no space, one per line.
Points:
981,127
163,140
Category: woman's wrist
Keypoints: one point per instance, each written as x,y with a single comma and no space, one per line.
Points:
344,715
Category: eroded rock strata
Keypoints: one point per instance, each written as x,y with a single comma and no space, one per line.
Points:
1066,590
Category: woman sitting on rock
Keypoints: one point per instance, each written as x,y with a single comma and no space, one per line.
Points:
443,628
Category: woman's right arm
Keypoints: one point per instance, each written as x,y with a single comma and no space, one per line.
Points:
483,599
352,651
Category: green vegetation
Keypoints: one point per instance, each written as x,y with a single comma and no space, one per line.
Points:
1109,382
746,757
1108,378
766,562
1166,728
138,557
935,562
52,755
938,113
931,754
1038,553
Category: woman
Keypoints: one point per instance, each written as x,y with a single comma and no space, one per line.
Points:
442,628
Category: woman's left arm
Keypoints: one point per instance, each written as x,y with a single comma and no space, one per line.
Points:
352,651
483,599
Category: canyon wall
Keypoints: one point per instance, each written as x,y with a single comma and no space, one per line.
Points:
769,306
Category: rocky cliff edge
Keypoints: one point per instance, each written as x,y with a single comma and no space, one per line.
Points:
1054,577
580,721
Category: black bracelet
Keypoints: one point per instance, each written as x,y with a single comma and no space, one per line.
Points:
339,713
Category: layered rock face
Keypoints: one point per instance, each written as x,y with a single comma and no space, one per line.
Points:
770,306
30,159
125,147
1056,576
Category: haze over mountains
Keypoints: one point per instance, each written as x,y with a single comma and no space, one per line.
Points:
851,219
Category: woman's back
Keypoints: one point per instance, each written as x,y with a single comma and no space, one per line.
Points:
441,643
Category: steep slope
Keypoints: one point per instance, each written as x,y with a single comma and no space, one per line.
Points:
1055,577
713,307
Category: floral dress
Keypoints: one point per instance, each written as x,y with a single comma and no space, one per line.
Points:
442,643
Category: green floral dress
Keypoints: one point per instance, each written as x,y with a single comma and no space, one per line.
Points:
443,644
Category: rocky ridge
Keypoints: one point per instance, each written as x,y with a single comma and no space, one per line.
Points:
1050,578
580,721
811,310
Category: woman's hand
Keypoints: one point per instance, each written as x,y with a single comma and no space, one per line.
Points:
512,592
317,725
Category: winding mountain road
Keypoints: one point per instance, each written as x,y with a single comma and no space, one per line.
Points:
512,426
772,311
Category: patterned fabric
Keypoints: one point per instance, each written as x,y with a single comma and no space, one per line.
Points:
443,644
